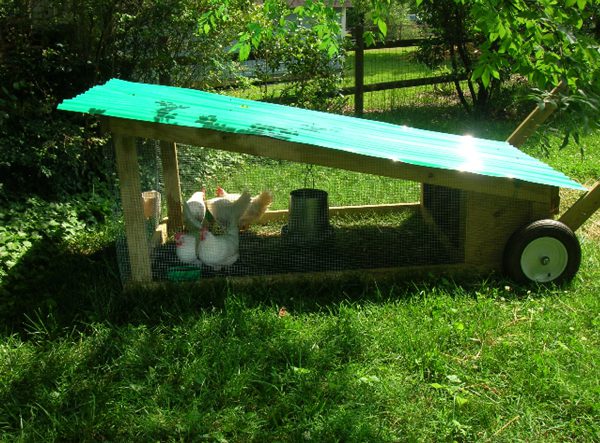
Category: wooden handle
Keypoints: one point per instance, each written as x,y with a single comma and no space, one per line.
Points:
583,208
538,116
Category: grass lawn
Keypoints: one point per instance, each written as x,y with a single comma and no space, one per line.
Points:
390,64
347,360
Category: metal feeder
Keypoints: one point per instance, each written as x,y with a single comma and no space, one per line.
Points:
308,223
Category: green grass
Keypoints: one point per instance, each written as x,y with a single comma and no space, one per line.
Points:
354,360
385,362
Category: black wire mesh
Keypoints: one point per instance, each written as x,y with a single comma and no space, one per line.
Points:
362,221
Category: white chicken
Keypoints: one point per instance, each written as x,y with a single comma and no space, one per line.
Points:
257,207
217,251
186,247
221,207
194,210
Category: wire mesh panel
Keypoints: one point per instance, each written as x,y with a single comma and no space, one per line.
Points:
317,219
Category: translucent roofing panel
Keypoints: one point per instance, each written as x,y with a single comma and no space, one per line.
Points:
198,109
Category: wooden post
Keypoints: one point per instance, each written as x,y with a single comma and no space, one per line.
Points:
583,209
538,116
359,68
168,153
133,208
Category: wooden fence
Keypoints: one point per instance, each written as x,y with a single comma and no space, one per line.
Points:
360,88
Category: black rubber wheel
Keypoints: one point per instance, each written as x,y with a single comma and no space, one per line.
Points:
545,251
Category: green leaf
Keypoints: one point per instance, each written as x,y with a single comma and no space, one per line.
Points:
332,50
244,51
461,401
382,26
485,78
369,379
301,371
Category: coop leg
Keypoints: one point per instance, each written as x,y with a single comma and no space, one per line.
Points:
168,152
133,208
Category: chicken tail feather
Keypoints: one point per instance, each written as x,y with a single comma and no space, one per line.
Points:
238,208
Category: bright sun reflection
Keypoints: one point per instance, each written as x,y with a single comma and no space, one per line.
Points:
472,158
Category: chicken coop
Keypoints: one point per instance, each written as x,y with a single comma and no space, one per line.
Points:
217,186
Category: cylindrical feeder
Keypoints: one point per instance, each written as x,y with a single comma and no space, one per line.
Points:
308,222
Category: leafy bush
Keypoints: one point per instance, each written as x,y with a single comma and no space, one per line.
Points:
55,50
299,47
22,224
43,152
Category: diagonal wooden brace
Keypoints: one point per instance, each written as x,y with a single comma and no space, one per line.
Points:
583,208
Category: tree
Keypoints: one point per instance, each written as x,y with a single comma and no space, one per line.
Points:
544,41
301,46
453,36
547,42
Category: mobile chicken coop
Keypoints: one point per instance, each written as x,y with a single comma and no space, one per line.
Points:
480,204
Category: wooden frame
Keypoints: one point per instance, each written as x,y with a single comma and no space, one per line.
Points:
298,152
478,213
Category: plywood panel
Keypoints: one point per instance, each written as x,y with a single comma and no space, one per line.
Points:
489,223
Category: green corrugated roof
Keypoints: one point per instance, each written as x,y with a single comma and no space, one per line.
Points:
198,109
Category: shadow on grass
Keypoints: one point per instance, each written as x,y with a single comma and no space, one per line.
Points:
56,289
54,280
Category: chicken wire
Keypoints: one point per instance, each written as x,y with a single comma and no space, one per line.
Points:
345,239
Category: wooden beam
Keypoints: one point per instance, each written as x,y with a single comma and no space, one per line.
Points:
538,116
364,276
133,208
398,84
583,209
336,211
160,235
170,166
304,153
151,201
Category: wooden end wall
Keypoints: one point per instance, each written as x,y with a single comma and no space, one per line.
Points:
478,225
